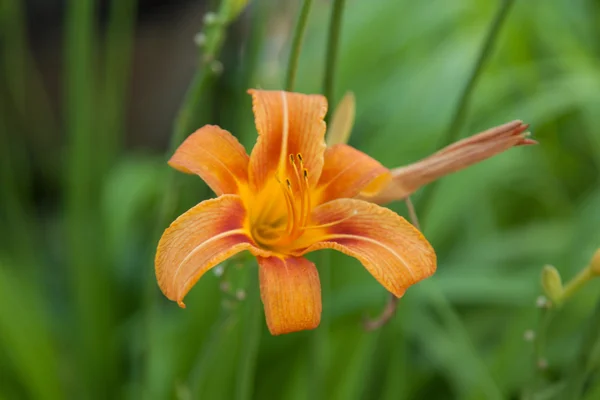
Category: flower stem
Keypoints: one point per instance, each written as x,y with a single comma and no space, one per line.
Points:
250,333
117,70
320,343
576,283
297,45
584,363
333,44
453,131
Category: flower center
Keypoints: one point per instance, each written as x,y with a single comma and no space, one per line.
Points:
278,225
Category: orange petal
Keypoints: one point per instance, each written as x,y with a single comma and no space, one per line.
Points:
348,172
390,248
462,154
287,123
215,155
291,293
199,239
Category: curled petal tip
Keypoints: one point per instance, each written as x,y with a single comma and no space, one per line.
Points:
526,139
180,303
526,142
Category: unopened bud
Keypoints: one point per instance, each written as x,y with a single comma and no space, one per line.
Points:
595,263
342,121
552,284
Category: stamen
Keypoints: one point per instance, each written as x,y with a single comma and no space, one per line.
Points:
289,201
299,216
305,197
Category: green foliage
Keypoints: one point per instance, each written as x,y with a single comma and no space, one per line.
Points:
81,315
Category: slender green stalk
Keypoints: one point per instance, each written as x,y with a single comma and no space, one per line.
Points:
14,215
117,70
453,131
577,283
209,352
583,364
24,83
458,330
88,272
333,43
320,339
297,45
250,337
545,316
15,171
13,48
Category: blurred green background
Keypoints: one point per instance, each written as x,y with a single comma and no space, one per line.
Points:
89,94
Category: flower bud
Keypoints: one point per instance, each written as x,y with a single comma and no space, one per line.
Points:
342,120
455,157
552,284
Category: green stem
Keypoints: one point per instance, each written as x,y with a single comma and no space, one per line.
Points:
320,343
297,45
208,355
453,131
546,315
459,331
88,272
583,364
25,86
577,283
250,336
117,70
333,44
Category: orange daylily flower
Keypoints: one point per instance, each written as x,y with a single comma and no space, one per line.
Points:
291,196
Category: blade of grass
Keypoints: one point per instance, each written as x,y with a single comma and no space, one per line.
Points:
88,272
250,336
320,346
117,70
333,44
26,336
24,84
583,364
297,45
15,213
461,337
